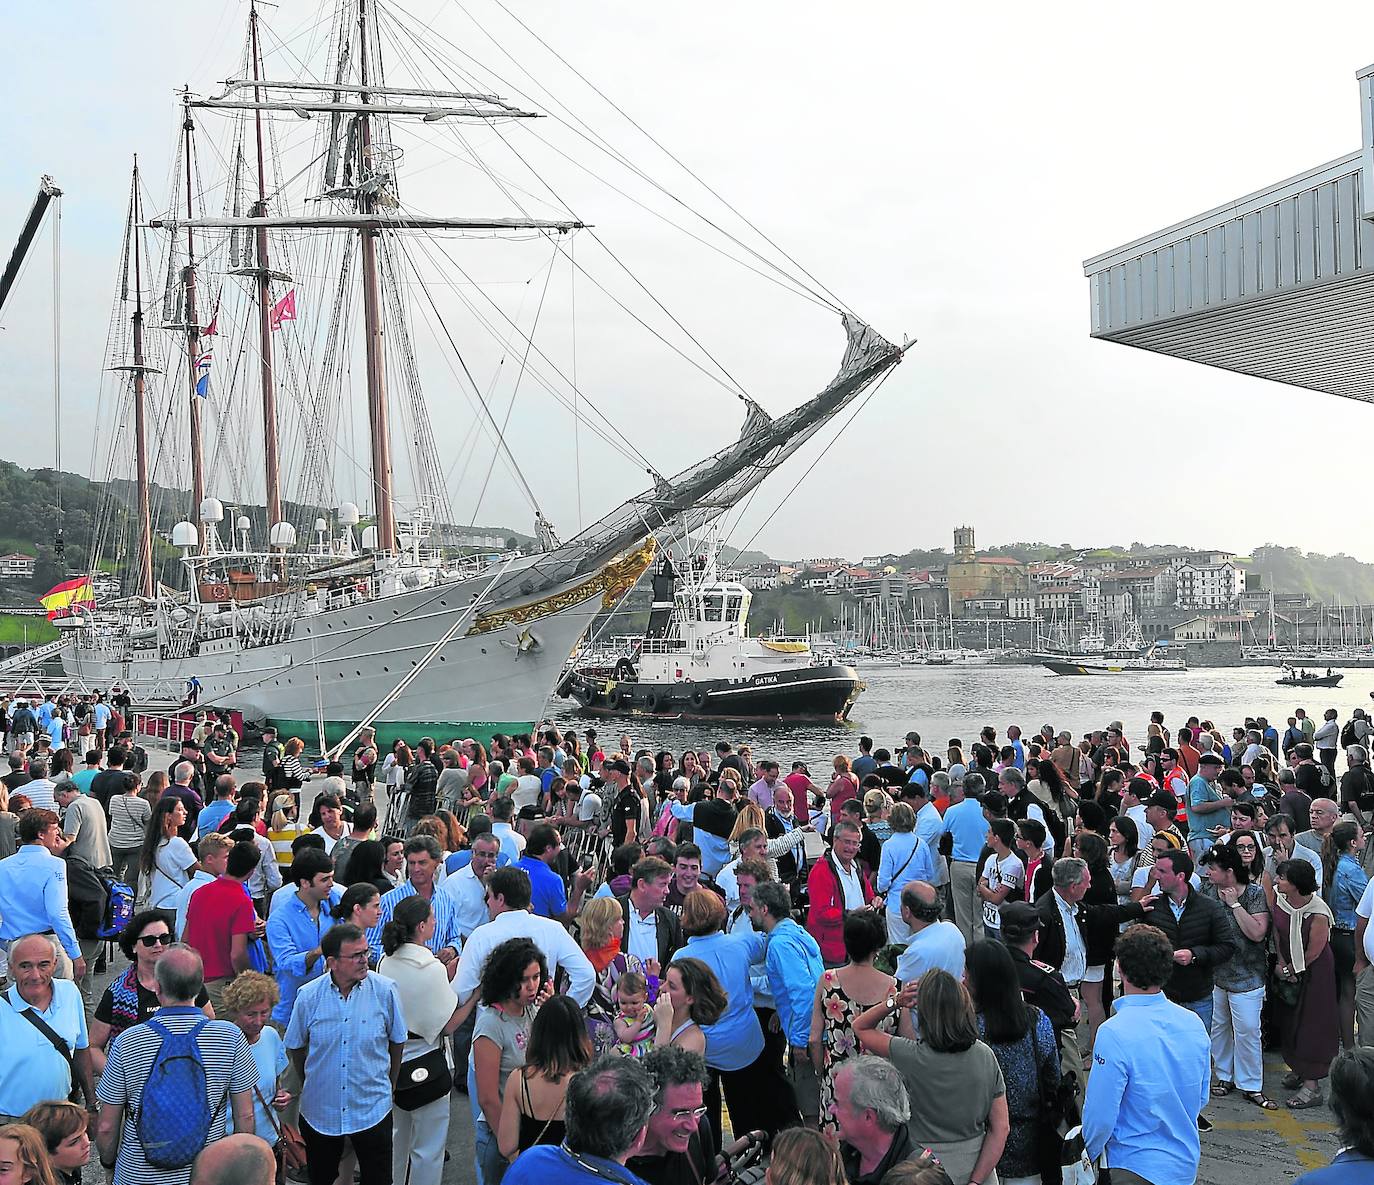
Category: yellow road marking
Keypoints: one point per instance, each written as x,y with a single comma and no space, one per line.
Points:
1287,1126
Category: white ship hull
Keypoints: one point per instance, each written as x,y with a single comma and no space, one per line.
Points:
339,664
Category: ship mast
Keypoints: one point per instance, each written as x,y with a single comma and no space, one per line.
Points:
372,320
264,279
139,369
192,325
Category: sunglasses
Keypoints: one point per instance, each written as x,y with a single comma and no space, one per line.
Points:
152,940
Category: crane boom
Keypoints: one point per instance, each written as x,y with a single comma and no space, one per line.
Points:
46,192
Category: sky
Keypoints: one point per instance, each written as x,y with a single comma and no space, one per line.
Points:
944,169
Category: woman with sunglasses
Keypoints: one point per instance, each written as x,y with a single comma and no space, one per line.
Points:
132,997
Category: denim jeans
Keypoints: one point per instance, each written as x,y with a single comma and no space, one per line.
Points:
489,1163
1202,1008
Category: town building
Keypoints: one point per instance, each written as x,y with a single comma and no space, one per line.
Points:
1208,586
16,567
973,577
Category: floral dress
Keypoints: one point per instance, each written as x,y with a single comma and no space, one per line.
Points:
838,1041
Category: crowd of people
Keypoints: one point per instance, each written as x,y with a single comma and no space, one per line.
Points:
959,965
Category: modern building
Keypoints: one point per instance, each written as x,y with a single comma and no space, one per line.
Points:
1278,284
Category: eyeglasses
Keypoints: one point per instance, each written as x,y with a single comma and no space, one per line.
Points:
152,940
360,957
686,1113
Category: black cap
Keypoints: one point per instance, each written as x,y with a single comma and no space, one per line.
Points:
1019,920
1162,799
1211,759
619,765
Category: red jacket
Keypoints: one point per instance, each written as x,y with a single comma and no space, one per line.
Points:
825,919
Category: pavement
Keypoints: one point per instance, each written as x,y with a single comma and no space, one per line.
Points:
1247,1145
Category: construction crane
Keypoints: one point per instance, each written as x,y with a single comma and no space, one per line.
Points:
46,192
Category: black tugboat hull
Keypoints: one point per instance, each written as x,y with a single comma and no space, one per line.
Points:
810,695
1319,681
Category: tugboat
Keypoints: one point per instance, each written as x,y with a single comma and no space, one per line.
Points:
697,660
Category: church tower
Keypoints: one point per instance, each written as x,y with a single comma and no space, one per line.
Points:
964,550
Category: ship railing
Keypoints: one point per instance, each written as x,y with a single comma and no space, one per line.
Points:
664,646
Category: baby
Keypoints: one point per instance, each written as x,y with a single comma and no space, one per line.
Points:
634,1019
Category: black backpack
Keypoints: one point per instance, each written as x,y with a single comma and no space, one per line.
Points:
1348,737
87,896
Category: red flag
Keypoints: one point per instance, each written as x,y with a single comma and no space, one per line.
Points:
213,328
284,309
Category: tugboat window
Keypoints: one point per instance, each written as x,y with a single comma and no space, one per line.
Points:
713,608
733,607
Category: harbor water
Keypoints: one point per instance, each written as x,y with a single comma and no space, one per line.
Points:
945,702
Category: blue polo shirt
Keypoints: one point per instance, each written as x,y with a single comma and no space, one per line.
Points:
212,816
548,896
965,822
36,1071
736,1039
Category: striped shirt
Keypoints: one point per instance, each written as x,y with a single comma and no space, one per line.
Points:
445,910
348,1043
229,1070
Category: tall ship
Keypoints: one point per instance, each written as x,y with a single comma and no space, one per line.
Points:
1127,654
697,660
264,353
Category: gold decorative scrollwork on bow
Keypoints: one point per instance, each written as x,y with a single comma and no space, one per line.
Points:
612,582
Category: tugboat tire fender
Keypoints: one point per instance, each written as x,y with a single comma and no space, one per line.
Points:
698,699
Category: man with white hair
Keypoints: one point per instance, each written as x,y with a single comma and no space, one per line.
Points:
43,1028
40,788
872,1108
183,787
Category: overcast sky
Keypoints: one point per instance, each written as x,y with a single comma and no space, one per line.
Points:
944,168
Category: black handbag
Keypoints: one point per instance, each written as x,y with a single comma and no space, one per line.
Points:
423,1079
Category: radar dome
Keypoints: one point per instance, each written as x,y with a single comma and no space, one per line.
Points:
283,535
212,511
184,534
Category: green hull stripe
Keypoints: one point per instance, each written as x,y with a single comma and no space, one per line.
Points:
409,731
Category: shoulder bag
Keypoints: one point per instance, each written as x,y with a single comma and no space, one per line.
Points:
57,1042
423,1079
288,1137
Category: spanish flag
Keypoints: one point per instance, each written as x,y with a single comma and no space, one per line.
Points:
60,599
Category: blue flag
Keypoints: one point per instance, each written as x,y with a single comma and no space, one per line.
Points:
203,374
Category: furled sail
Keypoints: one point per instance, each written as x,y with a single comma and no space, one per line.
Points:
703,492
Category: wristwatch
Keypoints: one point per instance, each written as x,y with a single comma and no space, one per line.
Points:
891,1001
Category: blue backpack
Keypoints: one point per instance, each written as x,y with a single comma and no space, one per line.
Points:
119,908
174,1115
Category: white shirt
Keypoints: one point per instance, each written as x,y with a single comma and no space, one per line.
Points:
183,898
329,840
998,874
1137,816
557,944
40,793
643,936
850,882
1075,950
1365,910
726,883
469,896
588,807
1034,811
526,790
